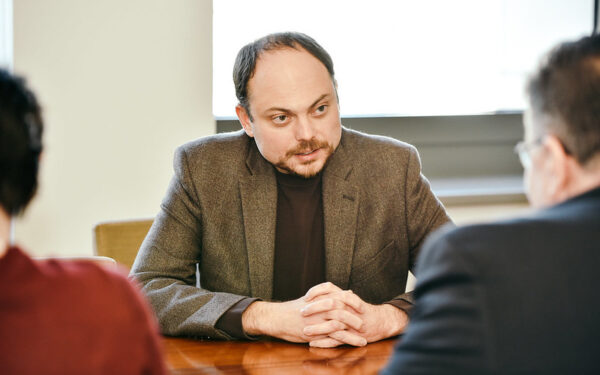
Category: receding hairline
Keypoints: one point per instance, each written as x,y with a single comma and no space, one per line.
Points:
299,48
281,47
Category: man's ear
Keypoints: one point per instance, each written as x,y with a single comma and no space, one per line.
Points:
244,120
559,165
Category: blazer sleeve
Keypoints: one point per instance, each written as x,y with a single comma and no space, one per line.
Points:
166,263
445,335
424,214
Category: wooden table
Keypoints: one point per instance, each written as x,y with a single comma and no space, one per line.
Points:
186,356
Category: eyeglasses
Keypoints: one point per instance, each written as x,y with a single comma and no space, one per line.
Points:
523,149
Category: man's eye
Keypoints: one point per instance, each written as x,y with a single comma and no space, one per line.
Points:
321,109
280,119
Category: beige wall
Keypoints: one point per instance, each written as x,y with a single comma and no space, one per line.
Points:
122,83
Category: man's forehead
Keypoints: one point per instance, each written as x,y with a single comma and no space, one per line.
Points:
286,60
288,75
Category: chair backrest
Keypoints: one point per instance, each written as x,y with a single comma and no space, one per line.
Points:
121,240
103,261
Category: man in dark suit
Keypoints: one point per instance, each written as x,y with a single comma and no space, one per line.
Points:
302,229
521,296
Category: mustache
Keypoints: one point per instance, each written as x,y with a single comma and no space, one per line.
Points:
307,145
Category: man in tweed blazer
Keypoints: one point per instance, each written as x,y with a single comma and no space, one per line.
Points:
231,209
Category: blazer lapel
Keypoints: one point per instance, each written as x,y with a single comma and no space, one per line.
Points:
258,193
340,206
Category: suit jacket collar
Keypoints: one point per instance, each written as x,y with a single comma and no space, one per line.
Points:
258,191
340,210
590,194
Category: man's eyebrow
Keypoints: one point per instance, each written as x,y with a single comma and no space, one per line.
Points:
318,100
280,109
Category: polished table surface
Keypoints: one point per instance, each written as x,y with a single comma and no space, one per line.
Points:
187,356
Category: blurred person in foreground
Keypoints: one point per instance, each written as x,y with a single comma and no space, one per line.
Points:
521,296
59,317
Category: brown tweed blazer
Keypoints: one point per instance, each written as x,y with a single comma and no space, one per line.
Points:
219,213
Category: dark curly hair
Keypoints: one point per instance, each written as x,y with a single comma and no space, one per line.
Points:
20,143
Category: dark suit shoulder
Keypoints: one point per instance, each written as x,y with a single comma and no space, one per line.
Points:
567,230
579,212
476,239
477,247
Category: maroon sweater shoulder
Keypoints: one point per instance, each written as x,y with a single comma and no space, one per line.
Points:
71,318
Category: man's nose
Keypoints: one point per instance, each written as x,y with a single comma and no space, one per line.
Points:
305,128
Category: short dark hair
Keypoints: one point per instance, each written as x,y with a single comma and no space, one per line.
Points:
20,143
245,62
567,88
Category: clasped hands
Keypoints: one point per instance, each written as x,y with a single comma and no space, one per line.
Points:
325,317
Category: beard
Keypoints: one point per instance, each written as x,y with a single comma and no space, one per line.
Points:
309,168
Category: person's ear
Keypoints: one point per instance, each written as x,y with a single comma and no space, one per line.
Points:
558,164
244,120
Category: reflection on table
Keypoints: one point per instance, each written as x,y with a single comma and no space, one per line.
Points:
187,356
